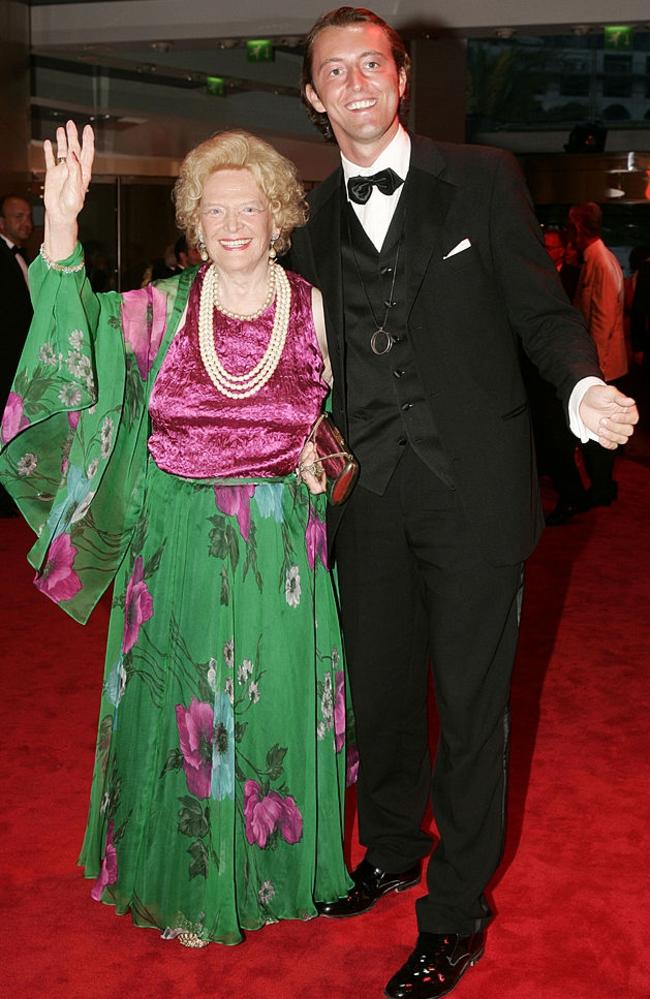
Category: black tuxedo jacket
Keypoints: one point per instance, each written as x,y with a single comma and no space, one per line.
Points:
469,315
15,317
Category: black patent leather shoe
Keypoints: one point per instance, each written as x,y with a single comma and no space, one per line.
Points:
436,966
564,511
370,883
603,495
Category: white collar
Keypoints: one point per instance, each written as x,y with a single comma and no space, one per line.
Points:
396,155
592,249
7,241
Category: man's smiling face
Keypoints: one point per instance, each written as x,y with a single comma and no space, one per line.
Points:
358,85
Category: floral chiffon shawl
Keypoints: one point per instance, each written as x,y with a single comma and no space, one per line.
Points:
73,447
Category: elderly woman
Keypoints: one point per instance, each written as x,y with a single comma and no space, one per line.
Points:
151,438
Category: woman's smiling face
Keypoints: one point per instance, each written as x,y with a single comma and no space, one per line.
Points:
236,221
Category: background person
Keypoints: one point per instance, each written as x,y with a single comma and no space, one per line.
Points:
600,298
175,260
554,442
165,426
15,230
565,257
640,320
432,270
638,255
186,255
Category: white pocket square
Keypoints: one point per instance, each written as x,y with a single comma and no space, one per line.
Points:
463,245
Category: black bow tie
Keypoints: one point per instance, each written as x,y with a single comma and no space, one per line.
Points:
19,251
360,188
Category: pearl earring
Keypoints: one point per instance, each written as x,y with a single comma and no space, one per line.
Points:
272,251
202,248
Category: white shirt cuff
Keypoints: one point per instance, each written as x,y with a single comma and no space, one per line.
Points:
575,423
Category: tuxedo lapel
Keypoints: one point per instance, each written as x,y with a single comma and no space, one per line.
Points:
429,200
14,280
325,238
10,259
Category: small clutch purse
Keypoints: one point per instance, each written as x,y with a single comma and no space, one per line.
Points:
340,466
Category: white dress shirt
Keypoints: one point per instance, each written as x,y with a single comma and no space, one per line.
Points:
377,213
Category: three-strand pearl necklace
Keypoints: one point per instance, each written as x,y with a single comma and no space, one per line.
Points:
245,385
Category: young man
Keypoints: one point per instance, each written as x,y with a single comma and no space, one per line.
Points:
432,269
599,297
555,444
15,230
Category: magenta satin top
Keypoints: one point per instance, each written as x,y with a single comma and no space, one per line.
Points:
199,433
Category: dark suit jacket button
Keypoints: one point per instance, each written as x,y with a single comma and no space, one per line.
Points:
398,372
402,441
407,405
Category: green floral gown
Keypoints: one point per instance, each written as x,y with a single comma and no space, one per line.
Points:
218,789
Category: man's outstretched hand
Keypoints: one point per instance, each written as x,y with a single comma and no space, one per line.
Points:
609,414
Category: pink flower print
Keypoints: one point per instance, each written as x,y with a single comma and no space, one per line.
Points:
352,766
13,419
196,736
291,821
262,814
73,417
144,314
236,502
339,712
316,540
138,606
266,814
108,872
58,580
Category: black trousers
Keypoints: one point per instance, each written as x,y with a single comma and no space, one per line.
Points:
414,590
599,464
554,442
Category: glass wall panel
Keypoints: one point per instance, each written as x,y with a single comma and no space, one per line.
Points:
126,226
147,228
542,81
98,234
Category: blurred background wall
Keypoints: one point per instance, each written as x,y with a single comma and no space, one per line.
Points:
553,80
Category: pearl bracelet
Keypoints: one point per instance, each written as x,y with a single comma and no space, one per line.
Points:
62,268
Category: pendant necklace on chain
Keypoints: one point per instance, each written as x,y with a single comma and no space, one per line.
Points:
381,340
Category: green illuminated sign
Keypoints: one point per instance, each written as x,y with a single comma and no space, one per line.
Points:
259,50
215,86
618,36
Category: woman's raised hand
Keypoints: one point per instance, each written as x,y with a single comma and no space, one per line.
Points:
67,176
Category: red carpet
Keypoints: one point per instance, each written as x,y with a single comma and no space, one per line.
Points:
572,894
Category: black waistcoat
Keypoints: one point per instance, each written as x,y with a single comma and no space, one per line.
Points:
385,398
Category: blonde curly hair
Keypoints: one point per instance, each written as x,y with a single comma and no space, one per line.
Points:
275,175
